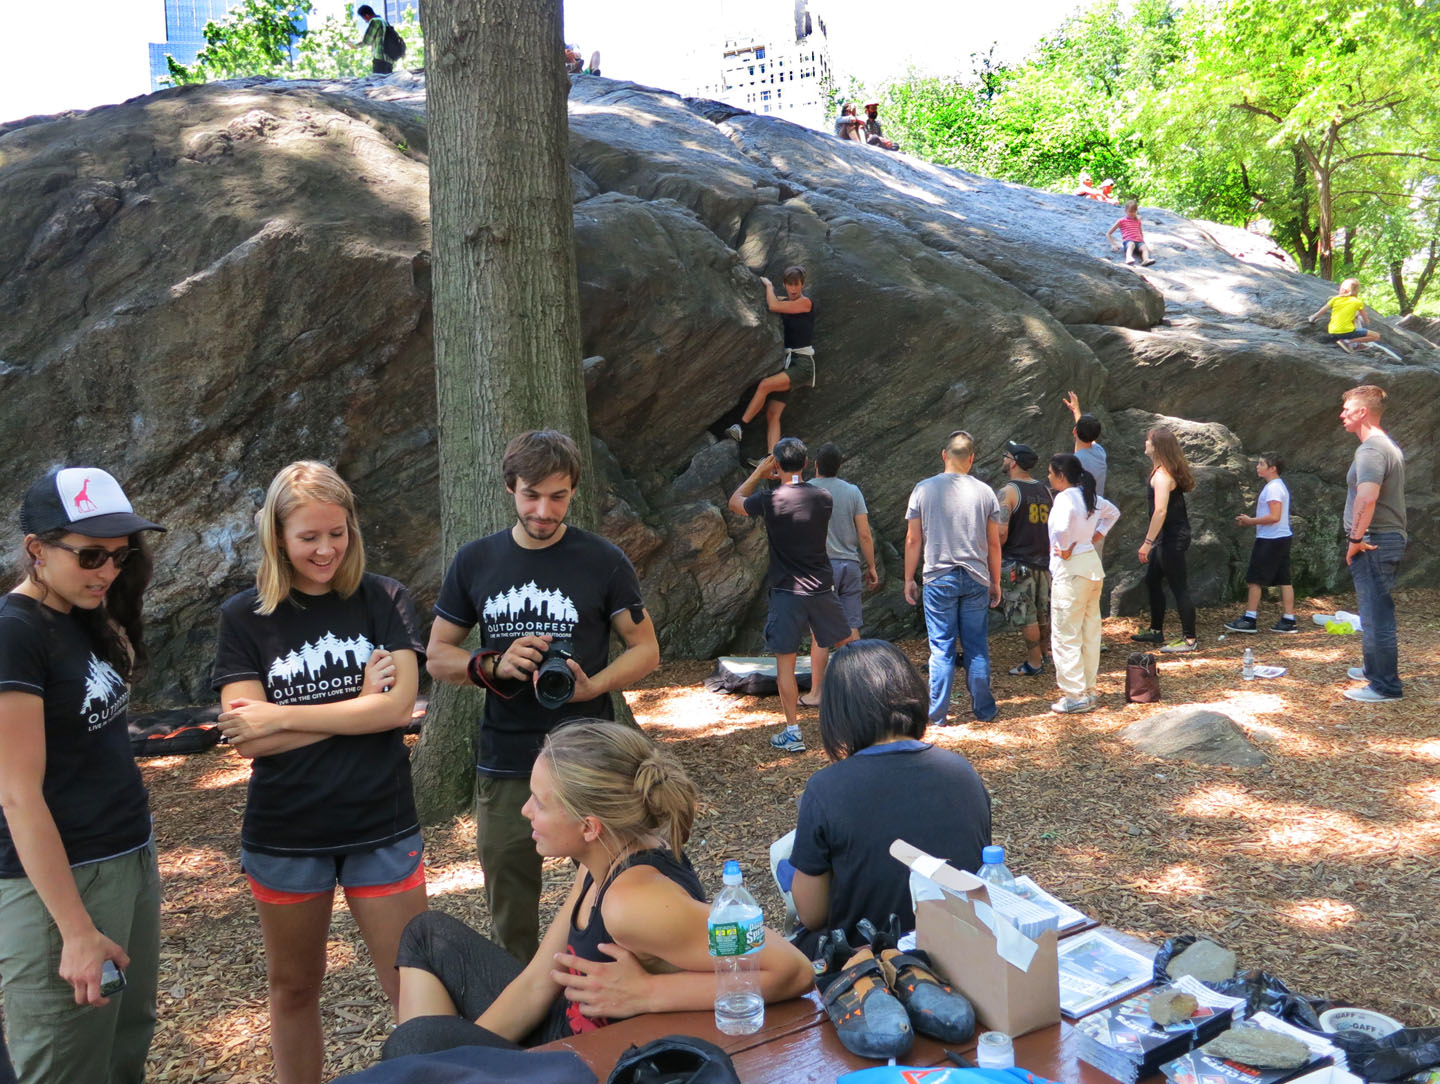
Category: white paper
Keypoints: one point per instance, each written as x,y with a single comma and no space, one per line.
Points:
1269,671
1012,946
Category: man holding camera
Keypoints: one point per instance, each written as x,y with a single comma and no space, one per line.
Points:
546,597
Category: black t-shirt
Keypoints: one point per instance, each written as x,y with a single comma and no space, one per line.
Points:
570,589
855,808
1028,540
797,518
799,328
91,784
349,792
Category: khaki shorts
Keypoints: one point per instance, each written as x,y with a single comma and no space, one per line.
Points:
1028,601
801,372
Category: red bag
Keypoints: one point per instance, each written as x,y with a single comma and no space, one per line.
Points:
1142,678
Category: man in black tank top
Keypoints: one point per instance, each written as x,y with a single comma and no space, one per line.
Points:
1025,554
797,314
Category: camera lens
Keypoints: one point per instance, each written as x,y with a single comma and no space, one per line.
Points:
555,684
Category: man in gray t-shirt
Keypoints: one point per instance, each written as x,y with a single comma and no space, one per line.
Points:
847,541
1086,432
1375,533
953,524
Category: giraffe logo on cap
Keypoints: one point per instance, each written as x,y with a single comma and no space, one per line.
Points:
83,503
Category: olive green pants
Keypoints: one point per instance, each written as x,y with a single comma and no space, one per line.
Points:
511,863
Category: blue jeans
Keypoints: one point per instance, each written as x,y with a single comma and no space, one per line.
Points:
1374,574
957,606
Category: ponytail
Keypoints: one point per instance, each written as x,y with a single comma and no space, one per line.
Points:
1087,487
1069,467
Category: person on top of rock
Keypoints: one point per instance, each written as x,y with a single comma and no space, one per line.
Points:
1270,557
574,62
1132,233
873,133
1085,186
1107,191
797,519
631,936
317,667
797,315
1347,310
848,125
1025,554
374,40
1167,538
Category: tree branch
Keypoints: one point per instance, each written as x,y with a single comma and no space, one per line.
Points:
1258,110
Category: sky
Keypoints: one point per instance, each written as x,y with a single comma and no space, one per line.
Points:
89,55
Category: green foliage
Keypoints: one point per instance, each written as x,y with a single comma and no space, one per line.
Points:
268,38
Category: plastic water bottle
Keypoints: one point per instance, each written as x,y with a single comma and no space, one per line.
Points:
737,934
995,871
1247,665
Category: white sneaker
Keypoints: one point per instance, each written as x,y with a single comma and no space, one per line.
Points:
1367,695
734,432
787,742
1356,673
1067,706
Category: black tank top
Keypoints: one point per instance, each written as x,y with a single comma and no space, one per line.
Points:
1175,533
586,943
1028,540
799,328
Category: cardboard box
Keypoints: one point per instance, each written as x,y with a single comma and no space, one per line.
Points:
1012,980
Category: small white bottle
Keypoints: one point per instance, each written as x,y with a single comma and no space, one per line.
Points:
737,934
994,871
1247,665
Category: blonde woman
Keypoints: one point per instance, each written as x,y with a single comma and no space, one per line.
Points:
631,935
1167,537
317,667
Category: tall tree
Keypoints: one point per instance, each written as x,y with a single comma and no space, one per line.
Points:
506,300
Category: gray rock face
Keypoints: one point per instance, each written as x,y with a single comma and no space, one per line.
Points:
1194,734
1258,1048
1171,1006
1205,960
201,285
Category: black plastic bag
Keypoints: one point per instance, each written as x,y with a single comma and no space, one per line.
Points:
675,1059
1398,1055
1262,991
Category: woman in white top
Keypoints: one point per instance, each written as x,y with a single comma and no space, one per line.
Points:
1078,520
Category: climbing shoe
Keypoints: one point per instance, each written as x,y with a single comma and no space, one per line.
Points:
936,1009
869,1020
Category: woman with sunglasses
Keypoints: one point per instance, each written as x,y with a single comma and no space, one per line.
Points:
79,889
317,667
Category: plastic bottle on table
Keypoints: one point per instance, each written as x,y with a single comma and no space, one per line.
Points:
995,871
737,934
1247,665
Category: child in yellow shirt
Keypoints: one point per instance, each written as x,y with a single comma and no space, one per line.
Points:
1347,321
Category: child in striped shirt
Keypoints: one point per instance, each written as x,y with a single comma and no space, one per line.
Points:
1132,234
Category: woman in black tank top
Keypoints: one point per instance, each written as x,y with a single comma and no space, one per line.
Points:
797,315
631,936
1166,540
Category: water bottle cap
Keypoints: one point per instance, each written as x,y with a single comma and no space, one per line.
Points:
993,856
732,874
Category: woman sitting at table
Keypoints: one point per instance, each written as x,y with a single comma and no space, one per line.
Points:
631,936
885,784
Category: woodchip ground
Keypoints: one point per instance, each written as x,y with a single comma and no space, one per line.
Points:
1319,866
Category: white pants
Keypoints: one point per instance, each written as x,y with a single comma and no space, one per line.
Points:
1075,623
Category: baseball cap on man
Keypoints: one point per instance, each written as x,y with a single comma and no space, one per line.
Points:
1023,454
86,500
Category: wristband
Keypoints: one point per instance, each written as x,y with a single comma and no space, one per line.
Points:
475,671
1149,541
1357,541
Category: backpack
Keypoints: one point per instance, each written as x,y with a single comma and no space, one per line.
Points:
675,1059
393,46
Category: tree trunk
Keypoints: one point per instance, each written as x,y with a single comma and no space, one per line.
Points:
507,309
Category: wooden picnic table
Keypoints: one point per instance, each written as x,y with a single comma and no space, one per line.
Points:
799,1044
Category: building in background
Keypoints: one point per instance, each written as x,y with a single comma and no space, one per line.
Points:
778,65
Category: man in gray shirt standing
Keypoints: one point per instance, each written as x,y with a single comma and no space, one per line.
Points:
847,539
1375,531
953,523
1086,432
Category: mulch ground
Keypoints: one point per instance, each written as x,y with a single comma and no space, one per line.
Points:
1319,866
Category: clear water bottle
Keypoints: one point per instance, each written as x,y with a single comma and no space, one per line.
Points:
737,934
1247,665
995,871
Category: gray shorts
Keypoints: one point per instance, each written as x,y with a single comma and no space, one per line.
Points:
791,614
848,587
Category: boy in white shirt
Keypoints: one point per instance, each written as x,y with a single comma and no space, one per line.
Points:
1270,559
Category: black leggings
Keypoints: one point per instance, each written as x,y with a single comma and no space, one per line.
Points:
1167,563
473,970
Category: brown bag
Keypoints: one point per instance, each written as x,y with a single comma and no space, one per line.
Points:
1142,679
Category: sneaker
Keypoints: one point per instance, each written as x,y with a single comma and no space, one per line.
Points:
1146,263
1285,624
1343,345
1356,673
1149,636
1181,647
734,433
1067,706
1026,670
1367,695
787,742
1247,624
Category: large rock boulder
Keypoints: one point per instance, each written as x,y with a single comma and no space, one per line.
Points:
201,285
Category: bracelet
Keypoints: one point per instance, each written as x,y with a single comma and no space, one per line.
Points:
1149,541
1357,541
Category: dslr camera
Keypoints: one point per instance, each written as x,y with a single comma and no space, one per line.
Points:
554,683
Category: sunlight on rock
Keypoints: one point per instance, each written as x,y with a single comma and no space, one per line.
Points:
1320,914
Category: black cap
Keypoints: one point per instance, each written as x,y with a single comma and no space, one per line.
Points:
1023,454
86,500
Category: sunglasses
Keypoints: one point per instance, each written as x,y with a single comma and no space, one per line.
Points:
93,557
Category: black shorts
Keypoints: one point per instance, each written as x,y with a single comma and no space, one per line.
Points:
1358,333
791,614
1270,562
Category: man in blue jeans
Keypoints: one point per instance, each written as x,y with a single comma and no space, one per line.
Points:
953,522
1375,532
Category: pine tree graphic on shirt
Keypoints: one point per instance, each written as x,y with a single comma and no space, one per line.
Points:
312,659
542,603
102,684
